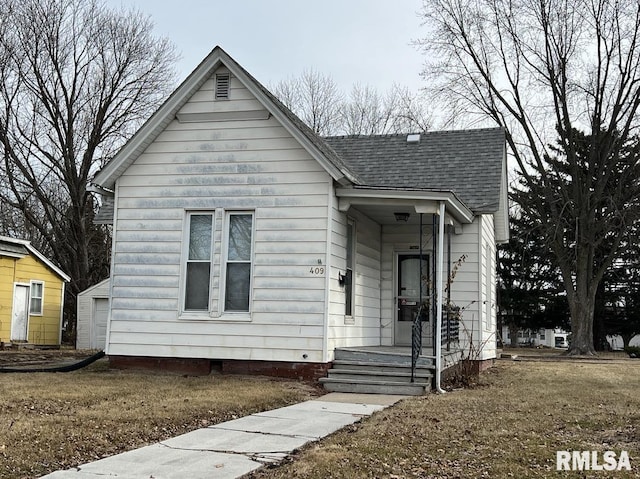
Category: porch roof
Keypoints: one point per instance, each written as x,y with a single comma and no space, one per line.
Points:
388,200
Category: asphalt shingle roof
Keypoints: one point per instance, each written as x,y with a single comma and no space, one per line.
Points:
466,162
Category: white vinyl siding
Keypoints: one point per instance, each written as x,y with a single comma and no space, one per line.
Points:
222,167
465,288
488,278
474,287
363,328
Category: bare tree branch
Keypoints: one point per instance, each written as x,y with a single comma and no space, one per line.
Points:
76,80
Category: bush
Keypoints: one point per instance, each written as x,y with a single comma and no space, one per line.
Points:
633,351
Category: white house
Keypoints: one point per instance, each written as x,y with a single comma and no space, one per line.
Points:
244,241
547,337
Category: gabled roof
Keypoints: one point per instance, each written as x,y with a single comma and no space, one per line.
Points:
18,248
316,147
469,163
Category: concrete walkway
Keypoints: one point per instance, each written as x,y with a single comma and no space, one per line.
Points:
234,448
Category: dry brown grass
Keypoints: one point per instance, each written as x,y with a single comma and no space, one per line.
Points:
553,353
511,425
54,421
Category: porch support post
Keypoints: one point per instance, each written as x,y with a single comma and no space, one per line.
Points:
416,327
440,294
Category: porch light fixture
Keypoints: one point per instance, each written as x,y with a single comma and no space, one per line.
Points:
404,217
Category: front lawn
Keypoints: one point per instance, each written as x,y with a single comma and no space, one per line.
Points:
51,421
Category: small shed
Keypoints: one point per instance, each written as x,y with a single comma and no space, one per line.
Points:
93,313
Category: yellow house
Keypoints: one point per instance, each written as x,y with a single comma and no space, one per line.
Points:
31,295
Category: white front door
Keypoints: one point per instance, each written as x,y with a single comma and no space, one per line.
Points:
20,313
408,273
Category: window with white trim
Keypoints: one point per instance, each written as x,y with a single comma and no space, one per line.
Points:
36,298
238,258
198,263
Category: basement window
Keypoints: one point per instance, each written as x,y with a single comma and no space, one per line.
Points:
223,84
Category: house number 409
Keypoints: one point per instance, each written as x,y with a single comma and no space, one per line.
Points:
317,270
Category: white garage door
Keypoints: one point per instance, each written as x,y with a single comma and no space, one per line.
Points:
99,330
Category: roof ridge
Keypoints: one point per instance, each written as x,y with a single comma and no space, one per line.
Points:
425,132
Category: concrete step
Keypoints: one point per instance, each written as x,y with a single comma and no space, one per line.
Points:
353,354
378,366
368,386
420,377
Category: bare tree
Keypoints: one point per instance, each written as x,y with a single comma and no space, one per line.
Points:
76,79
366,112
316,99
558,73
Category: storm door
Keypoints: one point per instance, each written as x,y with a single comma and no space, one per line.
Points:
408,274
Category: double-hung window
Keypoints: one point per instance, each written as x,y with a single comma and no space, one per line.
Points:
36,298
217,267
238,261
198,267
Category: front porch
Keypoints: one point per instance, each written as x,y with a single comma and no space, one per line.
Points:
382,370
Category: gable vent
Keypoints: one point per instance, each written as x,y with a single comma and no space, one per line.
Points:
223,81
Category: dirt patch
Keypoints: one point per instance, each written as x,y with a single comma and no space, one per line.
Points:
25,358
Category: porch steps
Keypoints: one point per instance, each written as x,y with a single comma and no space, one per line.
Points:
378,372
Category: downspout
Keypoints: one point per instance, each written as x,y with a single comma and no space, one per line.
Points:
440,292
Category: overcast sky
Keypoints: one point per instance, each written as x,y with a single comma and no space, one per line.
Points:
354,41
